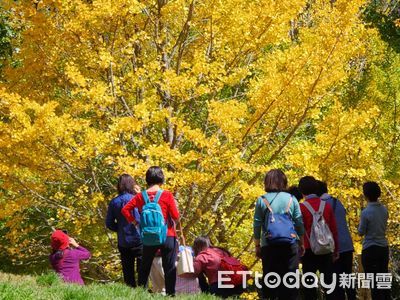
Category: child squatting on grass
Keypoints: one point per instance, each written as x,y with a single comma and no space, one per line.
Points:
66,257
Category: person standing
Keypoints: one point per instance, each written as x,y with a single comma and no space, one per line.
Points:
160,200
129,242
313,262
344,264
282,256
66,257
375,250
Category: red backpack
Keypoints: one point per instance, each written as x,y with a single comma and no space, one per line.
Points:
229,263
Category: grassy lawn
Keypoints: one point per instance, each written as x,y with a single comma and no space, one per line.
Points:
49,286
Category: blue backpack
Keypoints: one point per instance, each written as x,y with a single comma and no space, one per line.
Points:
278,228
152,222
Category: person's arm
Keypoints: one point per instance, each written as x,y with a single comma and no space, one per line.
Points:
82,253
298,224
386,214
126,211
362,227
198,263
257,224
79,252
297,218
302,248
172,208
110,218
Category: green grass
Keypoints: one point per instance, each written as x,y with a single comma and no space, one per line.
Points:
49,286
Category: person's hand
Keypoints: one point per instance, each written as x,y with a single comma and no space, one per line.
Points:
302,250
335,256
73,243
137,189
258,251
137,226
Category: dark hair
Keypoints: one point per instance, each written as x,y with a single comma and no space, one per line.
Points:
322,188
294,190
275,181
200,243
203,242
308,185
371,191
125,184
58,254
154,175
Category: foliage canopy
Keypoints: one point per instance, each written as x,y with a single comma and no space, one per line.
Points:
215,92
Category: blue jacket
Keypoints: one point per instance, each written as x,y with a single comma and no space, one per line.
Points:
344,236
128,237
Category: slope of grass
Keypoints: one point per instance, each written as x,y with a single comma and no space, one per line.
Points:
49,286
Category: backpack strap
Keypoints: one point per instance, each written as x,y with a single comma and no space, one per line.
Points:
145,197
321,208
156,198
268,210
289,204
309,207
312,211
158,195
267,204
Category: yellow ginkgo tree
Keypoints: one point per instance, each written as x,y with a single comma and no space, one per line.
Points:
215,92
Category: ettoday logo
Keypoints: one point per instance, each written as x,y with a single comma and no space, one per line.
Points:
310,280
273,280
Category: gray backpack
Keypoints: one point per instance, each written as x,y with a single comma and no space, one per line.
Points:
321,238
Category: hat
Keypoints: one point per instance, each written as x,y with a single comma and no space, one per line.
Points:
59,240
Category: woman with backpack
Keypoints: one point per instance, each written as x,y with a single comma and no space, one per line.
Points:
321,243
208,261
66,257
375,250
129,241
278,246
157,225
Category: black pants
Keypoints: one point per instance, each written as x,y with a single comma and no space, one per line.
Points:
343,265
225,293
168,253
313,263
280,259
375,259
205,288
130,257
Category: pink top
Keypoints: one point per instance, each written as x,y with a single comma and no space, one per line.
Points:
67,266
208,261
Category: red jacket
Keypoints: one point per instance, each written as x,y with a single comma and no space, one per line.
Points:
308,219
166,202
208,261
